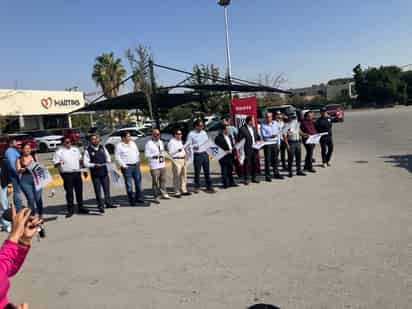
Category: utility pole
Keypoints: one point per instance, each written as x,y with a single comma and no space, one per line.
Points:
153,95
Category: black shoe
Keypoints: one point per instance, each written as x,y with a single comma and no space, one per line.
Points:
69,214
139,201
301,174
177,196
186,193
233,185
278,176
101,210
83,211
210,190
290,175
268,179
255,181
225,187
111,206
196,190
246,182
312,170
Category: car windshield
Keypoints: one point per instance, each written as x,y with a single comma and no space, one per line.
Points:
332,107
40,133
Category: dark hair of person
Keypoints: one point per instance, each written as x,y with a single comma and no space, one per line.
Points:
24,145
123,134
91,135
249,119
197,122
307,114
11,139
176,130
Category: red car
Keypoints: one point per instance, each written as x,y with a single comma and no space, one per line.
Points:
336,112
73,134
20,138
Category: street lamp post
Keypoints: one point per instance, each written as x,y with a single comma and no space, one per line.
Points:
225,4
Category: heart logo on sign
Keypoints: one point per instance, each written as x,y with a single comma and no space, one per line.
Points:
47,102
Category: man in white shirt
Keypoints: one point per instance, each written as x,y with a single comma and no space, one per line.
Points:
155,153
68,160
177,152
282,148
197,138
96,159
128,158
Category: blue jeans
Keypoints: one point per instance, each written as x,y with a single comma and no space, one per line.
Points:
34,198
130,174
4,204
15,179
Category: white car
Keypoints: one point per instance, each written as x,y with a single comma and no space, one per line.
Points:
111,140
46,141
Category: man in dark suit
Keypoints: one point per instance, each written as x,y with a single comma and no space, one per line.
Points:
225,141
251,136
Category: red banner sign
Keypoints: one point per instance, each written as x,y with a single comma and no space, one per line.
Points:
241,108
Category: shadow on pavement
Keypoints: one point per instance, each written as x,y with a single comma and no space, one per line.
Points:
402,161
263,306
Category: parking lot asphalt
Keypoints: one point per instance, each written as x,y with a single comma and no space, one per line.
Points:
341,238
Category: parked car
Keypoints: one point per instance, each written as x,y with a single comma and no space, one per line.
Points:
46,141
73,134
111,140
336,112
287,110
20,138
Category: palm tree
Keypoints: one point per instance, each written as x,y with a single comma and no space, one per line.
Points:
108,73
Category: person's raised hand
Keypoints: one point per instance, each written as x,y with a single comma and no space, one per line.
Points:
23,306
30,230
19,221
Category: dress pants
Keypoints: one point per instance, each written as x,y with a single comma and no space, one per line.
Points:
179,176
100,182
73,181
283,148
132,174
201,160
326,145
250,165
294,152
159,182
271,159
226,167
309,156
33,196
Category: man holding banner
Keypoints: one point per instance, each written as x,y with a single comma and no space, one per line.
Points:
270,133
250,135
96,159
198,139
225,141
178,154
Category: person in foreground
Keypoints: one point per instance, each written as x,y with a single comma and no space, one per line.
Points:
154,152
324,125
225,141
128,158
68,160
251,136
96,159
14,251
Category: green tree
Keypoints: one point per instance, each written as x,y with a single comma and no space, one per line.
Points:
108,73
380,85
139,58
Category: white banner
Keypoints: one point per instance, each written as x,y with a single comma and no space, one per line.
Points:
213,150
115,176
40,174
189,153
240,147
315,139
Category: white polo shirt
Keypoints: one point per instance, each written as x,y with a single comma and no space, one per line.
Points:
69,159
154,152
126,154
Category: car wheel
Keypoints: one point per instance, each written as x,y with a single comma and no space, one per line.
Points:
43,148
110,148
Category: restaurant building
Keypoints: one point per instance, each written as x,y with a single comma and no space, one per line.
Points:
24,110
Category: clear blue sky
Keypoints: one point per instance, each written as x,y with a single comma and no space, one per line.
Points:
51,44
